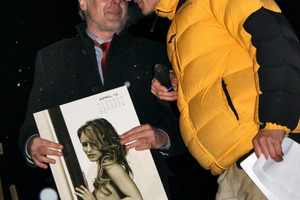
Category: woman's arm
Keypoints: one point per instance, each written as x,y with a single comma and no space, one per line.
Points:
122,180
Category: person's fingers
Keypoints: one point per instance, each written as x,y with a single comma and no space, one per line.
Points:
167,96
162,92
139,144
132,131
49,144
278,149
38,161
275,151
46,151
40,148
45,159
174,81
41,160
264,148
257,148
84,193
45,147
153,91
40,164
134,139
143,147
140,137
156,86
79,193
268,143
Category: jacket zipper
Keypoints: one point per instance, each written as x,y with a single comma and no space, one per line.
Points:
229,100
163,11
173,37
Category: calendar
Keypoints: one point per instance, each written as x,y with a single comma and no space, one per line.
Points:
110,102
74,169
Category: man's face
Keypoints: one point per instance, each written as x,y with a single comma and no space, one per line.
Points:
147,6
105,15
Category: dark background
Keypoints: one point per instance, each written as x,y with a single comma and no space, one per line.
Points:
27,27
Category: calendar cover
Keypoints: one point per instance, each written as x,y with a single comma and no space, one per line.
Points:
94,164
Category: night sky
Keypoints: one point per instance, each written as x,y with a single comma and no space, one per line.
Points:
27,27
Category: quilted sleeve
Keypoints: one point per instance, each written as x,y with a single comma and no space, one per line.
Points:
278,57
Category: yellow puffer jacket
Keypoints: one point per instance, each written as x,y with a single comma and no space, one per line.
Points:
216,65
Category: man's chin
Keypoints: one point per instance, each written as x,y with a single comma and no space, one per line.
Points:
116,26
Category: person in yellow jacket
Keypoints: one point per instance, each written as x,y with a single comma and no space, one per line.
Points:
237,65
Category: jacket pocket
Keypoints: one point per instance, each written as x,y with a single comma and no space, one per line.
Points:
229,100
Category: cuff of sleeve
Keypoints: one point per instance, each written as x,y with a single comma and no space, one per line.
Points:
28,157
272,126
165,150
29,160
167,147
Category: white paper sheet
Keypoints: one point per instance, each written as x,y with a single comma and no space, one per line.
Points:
277,180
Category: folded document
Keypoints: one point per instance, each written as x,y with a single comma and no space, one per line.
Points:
277,180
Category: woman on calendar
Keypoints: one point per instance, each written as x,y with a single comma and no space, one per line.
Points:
101,144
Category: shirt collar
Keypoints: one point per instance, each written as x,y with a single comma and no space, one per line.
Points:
93,37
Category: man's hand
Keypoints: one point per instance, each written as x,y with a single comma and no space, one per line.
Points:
38,149
162,92
268,142
144,137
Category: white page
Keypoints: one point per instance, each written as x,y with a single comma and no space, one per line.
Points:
277,180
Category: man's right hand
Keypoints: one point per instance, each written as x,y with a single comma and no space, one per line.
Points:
39,148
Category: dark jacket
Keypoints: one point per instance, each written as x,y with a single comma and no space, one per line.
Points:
67,71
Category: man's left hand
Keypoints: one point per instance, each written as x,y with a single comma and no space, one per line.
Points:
144,137
268,142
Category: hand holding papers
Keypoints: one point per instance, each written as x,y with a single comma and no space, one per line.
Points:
277,180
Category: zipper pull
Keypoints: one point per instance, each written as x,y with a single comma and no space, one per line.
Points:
171,38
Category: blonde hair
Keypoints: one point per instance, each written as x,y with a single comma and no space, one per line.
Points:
103,136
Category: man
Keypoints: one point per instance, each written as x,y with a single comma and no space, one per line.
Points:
237,66
71,70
